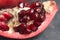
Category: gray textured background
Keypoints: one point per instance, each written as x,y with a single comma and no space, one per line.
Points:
52,32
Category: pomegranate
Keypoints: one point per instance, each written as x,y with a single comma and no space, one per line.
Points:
25,20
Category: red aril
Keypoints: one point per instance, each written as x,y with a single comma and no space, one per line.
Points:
32,16
3,26
37,24
27,4
7,15
22,13
33,27
25,20
2,18
21,5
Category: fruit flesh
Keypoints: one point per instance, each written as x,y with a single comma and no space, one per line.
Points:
40,28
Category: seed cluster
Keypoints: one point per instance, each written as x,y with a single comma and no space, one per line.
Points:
28,20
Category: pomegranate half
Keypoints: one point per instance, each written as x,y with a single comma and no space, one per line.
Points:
50,8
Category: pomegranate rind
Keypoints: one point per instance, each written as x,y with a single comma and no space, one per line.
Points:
49,16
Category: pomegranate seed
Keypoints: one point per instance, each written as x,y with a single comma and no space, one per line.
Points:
31,28
39,19
2,18
3,26
43,12
28,28
22,14
27,4
22,25
21,5
36,14
28,12
32,16
27,32
37,24
25,20
19,19
7,15
22,28
38,9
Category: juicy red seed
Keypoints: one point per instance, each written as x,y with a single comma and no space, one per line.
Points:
28,28
3,26
32,16
38,10
21,5
7,15
22,30
25,20
27,32
43,13
28,12
37,24
33,28
27,4
38,4
22,14
33,5
2,18
40,19
22,25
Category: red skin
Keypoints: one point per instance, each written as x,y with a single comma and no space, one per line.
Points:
9,3
40,29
